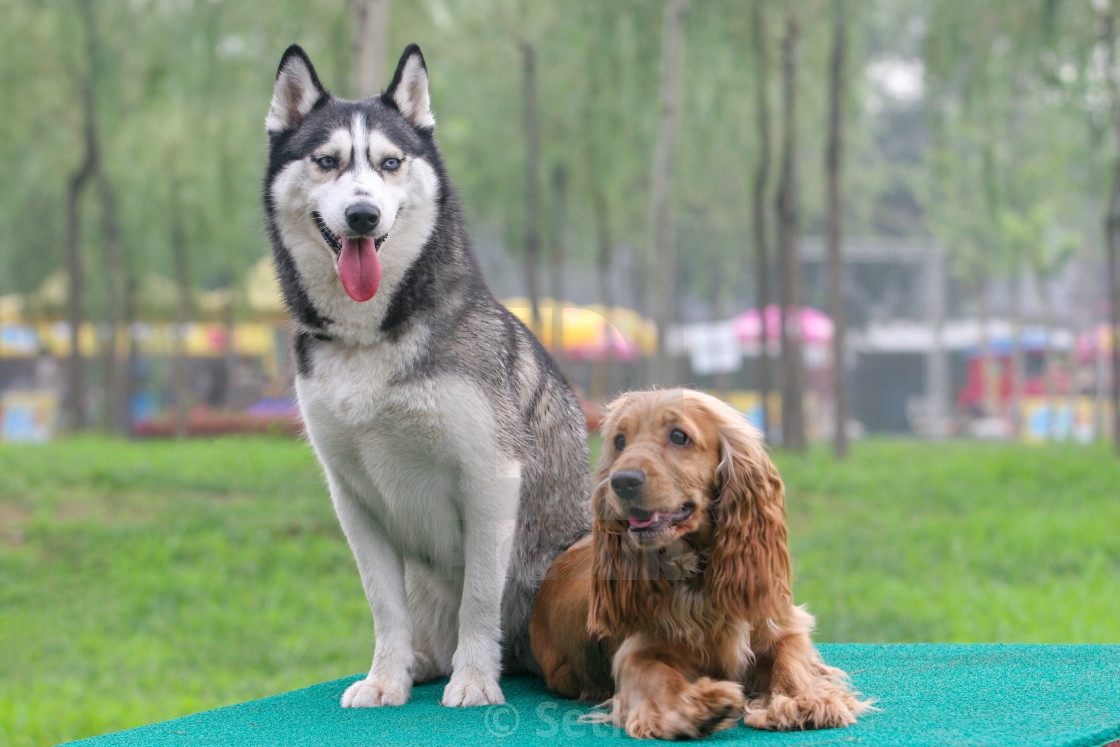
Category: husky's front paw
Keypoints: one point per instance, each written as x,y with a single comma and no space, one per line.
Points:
468,688
371,693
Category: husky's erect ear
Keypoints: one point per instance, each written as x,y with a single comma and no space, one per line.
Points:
296,93
408,92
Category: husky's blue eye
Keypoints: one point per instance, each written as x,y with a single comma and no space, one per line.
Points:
326,163
391,164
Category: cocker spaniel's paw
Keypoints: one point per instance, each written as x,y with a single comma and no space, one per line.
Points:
471,688
377,691
715,704
705,706
825,707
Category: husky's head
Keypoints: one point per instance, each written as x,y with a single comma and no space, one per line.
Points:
351,184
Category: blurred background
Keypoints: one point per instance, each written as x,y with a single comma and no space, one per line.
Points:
903,203
885,230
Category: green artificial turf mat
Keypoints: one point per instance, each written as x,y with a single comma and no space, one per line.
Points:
929,694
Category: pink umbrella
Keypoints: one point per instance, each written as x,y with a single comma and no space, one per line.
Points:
1088,343
816,326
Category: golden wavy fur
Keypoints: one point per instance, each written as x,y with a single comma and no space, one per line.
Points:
679,609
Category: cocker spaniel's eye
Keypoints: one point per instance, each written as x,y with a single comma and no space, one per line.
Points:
619,442
679,437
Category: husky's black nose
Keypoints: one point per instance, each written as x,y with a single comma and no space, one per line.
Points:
362,217
627,483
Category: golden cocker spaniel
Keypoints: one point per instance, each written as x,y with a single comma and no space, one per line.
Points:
678,608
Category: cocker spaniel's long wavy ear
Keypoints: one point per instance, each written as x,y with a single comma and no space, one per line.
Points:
617,598
749,571
621,584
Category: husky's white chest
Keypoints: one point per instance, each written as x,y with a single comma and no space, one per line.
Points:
406,451
351,386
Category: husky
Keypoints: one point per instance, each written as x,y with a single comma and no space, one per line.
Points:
454,450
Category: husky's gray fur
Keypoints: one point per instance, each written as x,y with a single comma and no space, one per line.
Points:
454,450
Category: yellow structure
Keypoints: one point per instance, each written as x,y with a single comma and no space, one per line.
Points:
589,331
11,309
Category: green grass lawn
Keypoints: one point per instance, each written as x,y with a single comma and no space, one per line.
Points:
143,581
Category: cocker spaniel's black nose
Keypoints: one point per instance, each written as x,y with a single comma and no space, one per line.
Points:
627,483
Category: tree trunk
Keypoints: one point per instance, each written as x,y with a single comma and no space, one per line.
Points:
229,364
793,369
1112,224
180,375
1049,361
371,32
833,165
532,183
758,199
1088,282
1084,327
556,260
128,375
235,277
215,121
662,228
990,188
645,366
1114,296
938,384
1018,357
719,313
116,397
988,389
1071,367
604,239
596,113
73,412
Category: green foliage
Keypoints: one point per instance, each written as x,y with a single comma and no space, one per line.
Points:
1006,174
1012,179
143,581
181,89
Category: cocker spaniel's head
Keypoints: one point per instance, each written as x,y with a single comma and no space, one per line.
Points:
661,453
683,473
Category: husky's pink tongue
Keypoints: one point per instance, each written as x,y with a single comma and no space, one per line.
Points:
359,268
